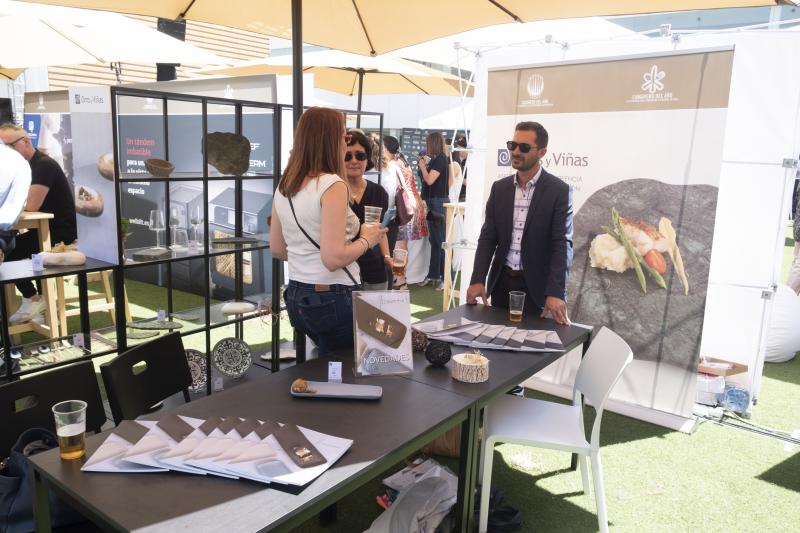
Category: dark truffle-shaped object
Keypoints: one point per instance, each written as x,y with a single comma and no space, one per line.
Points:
438,353
419,341
229,153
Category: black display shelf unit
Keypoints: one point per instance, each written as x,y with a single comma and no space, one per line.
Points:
238,211
231,206
32,357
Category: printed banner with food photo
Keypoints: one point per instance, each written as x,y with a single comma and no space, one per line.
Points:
640,142
93,166
382,330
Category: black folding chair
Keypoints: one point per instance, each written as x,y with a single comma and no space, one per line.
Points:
27,403
132,390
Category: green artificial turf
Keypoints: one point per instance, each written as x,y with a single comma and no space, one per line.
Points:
718,479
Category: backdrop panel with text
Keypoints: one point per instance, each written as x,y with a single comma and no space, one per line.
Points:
641,137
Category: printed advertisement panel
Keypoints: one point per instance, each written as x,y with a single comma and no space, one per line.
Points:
640,141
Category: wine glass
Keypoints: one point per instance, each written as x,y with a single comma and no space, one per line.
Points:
195,219
157,225
180,241
174,217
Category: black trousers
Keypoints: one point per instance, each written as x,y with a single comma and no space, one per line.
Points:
27,245
508,282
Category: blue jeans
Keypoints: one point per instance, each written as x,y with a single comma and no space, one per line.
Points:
326,317
436,228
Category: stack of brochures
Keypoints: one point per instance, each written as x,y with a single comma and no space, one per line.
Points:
490,336
261,450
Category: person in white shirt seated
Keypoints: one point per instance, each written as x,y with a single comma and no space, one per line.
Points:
15,180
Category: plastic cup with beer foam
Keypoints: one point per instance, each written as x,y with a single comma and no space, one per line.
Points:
516,302
70,418
372,215
399,261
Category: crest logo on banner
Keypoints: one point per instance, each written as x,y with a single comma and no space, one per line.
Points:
652,80
535,85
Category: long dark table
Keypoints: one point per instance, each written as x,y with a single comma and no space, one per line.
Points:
507,369
414,410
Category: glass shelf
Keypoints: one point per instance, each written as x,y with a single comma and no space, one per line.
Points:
134,177
260,242
192,320
40,355
13,271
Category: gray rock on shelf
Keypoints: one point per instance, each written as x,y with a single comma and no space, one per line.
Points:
229,153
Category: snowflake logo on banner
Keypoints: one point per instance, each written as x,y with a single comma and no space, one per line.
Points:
652,80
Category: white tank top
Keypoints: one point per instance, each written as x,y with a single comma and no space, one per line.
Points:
305,262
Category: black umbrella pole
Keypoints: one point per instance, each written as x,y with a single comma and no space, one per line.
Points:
297,58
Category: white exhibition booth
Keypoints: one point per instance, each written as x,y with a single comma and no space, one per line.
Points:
753,165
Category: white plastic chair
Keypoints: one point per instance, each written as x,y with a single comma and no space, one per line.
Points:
556,426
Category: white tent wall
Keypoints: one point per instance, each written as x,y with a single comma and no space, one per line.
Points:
403,110
761,131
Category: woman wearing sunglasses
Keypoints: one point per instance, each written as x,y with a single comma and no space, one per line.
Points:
435,184
358,160
314,229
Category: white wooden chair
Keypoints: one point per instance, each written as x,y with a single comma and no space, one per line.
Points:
556,426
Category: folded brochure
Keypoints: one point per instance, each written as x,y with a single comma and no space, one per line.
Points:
232,447
464,332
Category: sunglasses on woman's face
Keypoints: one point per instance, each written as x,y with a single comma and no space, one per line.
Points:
360,156
523,147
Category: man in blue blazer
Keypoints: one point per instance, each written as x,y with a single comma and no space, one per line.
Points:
526,237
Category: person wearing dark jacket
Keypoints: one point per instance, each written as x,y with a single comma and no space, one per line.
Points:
525,243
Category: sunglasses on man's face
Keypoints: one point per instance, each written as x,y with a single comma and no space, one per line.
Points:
523,147
15,141
360,156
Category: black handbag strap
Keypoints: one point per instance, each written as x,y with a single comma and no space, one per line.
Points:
349,275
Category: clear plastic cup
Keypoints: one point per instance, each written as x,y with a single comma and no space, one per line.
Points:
516,302
372,215
399,262
70,418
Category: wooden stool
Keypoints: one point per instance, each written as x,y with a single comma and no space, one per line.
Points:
106,295
40,222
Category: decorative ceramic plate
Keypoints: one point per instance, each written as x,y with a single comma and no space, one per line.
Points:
197,366
232,357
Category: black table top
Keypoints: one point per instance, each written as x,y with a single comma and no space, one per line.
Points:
506,368
571,336
174,501
11,271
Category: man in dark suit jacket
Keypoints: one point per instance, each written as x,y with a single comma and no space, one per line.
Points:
527,234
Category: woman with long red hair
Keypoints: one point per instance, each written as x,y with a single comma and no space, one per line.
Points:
314,229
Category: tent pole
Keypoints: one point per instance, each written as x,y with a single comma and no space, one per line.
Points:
297,106
297,58
360,95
